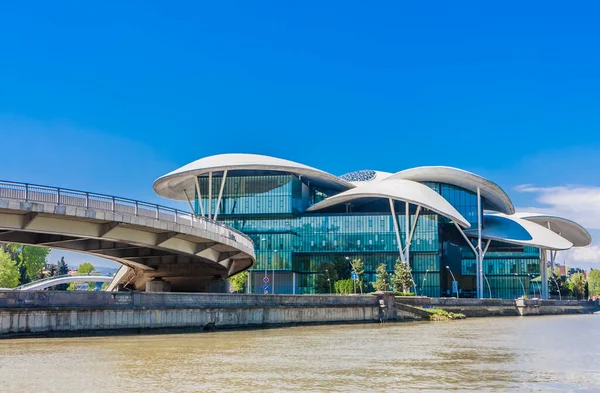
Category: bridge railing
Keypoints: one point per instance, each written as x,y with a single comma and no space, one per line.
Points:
61,276
90,200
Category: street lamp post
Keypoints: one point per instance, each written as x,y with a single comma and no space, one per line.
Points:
328,279
265,280
522,286
531,276
454,280
423,283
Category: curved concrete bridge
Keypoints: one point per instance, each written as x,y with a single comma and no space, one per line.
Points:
161,248
66,279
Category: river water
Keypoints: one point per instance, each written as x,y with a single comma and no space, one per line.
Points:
559,353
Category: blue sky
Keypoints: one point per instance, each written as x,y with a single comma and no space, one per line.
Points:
107,96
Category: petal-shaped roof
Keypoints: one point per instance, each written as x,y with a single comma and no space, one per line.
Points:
400,190
495,197
568,229
511,229
172,184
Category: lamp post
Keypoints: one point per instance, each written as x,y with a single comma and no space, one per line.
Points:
423,283
522,286
531,276
454,280
328,279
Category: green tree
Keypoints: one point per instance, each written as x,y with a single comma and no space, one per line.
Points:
402,278
341,267
9,273
326,277
84,268
576,284
594,282
382,282
358,266
239,282
30,260
62,269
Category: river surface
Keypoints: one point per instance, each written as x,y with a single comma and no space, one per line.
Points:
559,353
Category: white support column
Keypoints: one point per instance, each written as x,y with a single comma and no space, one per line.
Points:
249,289
396,229
293,283
209,194
199,196
406,230
544,273
479,253
220,195
412,229
189,202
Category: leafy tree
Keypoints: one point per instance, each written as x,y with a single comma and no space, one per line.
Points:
239,281
34,260
594,282
402,278
62,269
358,267
9,273
554,279
84,268
586,291
382,282
577,285
341,267
326,277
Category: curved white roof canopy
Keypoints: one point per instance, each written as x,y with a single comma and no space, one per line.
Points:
172,184
495,197
400,190
514,230
568,229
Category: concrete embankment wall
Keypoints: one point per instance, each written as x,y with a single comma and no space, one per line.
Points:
55,313
502,307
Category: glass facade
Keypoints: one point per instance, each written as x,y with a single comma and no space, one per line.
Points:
291,243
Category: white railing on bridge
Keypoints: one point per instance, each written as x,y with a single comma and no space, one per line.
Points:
62,196
53,278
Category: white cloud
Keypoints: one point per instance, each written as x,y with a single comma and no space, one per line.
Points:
578,203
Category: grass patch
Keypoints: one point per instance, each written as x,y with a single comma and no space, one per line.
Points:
437,314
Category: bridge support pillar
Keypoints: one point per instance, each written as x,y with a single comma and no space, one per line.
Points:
158,285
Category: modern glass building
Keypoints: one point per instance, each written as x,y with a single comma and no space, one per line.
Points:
450,224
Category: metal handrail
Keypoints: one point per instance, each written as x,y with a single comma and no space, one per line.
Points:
67,197
62,276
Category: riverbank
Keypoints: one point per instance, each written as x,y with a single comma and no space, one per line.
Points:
59,313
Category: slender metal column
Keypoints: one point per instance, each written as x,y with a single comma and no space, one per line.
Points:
199,196
406,230
209,194
544,273
249,289
479,250
396,229
189,202
220,195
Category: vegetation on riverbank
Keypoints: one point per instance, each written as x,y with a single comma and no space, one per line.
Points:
437,314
